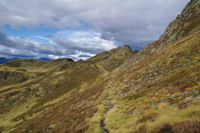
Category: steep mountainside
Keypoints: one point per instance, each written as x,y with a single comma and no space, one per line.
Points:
185,24
156,89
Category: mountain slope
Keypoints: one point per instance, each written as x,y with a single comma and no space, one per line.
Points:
29,87
160,88
120,91
185,24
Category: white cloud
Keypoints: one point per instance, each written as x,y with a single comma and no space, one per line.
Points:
81,55
88,40
126,21
106,24
86,45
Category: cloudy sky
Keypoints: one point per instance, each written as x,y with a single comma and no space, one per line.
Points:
81,28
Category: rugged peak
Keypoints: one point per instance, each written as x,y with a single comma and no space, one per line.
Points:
111,59
185,23
127,46
63,60
124,48
116,52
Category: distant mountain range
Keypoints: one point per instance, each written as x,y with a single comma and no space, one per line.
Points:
5,60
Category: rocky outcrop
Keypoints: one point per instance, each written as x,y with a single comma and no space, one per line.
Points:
9,77
185,23
112,59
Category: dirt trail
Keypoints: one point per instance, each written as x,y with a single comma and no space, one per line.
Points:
110,106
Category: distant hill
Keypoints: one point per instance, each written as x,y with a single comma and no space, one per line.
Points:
44,59
5,60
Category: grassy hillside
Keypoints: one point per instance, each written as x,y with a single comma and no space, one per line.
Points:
160,88
30,87
156,89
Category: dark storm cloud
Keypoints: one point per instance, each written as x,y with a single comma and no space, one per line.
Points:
5,41
26,48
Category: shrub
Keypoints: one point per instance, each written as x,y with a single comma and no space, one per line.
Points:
187,127
181,127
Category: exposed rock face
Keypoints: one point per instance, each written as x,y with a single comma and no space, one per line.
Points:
113,58
9,77
186,22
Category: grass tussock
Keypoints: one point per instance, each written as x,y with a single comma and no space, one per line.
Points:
181,127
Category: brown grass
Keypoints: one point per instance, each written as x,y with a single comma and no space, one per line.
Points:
181,127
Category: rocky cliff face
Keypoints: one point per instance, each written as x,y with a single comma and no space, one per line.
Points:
9,77
112,59
185,23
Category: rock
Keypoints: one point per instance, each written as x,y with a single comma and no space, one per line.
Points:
197,99
125,80
10,77
153,50
172,96
156,94
22,98
184,105
163,99
153,103
40,92
126,87
52,126
135,111
175,105
182,26
111,59
174,56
